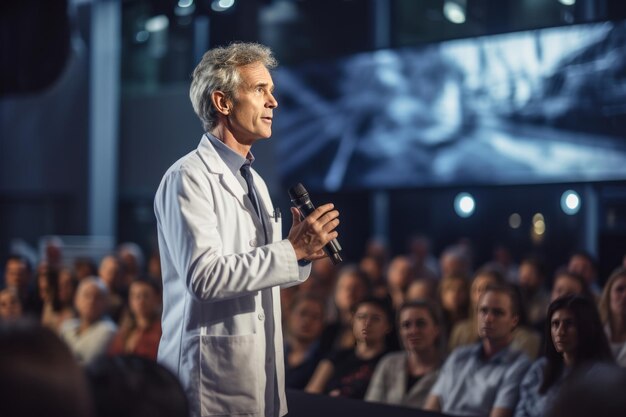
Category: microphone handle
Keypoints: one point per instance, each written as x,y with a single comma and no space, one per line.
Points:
333,247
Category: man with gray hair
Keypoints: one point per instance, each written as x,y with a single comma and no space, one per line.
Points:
222,253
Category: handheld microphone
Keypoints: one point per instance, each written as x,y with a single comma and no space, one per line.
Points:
301,200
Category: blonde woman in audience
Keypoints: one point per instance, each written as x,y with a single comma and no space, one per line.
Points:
405,378
613,314
140,331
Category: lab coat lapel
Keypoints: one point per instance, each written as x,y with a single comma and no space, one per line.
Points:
217,166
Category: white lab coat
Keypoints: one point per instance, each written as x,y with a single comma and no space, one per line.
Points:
221,306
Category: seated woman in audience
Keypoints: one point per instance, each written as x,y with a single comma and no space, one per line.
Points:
57,292
613,314
347,373
454,301
466,331
405,378
10,305
140,331
352,287
89,335
576,340
304,327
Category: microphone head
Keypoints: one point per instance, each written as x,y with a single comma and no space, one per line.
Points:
297,191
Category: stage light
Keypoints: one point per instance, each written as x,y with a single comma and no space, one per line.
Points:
454,10
157,23
570,202
515,221
567,2
222,5
464,204
184,8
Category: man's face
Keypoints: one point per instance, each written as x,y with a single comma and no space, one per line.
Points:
583,267
252,111
16,274
495,318
90,302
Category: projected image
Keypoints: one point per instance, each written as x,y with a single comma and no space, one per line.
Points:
529,107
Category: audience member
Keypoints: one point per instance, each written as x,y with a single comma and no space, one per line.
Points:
110,273
38,374
57,288
584,264
399,276
423,263
375,271
598,391
130,256
352,287
503,259
483,379
422,289
575,340
613,314
18,275
566,282
455,261
405,378
133,386
322,280
154,267
532,284
140,331
454,301
465,333
347,373
84,267
303,351
89,335
10,305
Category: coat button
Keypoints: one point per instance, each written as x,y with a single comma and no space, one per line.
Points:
253,243
261,316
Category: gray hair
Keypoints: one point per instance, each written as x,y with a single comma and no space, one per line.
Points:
218,71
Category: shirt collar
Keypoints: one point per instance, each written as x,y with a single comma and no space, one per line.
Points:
232,159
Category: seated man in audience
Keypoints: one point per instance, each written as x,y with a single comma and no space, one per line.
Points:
18,275
483,379
90,334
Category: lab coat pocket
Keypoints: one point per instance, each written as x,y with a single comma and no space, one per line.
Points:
228,377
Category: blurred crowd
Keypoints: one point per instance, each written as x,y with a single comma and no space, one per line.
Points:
438,333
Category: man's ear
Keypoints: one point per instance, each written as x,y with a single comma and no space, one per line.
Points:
221,103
